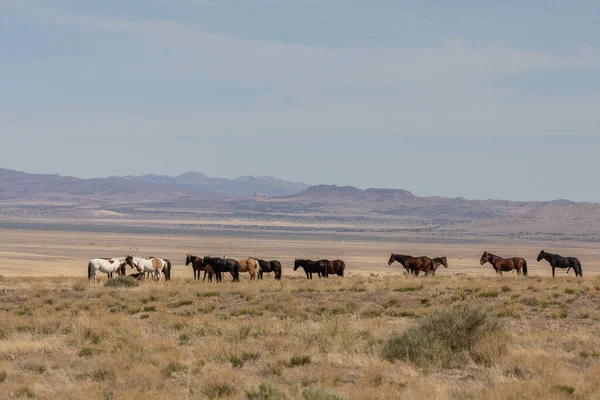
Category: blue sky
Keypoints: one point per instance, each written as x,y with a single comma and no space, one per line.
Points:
477,99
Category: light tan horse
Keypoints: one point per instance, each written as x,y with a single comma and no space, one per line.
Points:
249,265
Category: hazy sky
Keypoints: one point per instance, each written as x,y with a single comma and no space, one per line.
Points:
480,99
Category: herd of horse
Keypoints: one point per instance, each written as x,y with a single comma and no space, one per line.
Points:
215,267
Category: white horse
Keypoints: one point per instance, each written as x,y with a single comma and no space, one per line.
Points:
153,265
105,265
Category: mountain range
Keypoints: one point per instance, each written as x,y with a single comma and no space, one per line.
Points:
267,203
19,185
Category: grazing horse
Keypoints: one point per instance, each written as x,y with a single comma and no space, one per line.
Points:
557,261
269,266
107,266
198,266
249,265
153,265
336,267
220,265
320,267
413,264
504,264
439,261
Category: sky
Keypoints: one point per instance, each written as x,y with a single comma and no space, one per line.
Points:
478,99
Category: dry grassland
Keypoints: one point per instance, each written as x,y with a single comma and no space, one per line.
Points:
297,339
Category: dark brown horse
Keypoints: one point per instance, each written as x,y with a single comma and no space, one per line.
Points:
505,264
336,267
198,266
413,264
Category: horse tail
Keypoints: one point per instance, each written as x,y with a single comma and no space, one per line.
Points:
341,269
524,267
578,265
168,270
90,266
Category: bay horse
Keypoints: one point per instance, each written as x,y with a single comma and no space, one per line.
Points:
152,265
220,265
269,266
505,264
439,261
249,265
557,261
107,266
413,264
336,267
310,267
198,266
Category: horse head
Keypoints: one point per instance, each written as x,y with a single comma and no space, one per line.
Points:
444,261
297,264
391,260
188,259
543,255
129,261
484,258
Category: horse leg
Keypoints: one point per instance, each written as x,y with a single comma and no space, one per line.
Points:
553,268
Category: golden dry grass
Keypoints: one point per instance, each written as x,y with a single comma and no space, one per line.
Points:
299,339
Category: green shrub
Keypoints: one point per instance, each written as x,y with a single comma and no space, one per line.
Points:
122,282
299,361
3,376
491,293
173,368
318,394
442,338
266,391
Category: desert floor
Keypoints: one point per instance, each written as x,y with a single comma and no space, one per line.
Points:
54,253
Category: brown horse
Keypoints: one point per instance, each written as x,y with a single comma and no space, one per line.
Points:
198,266
336,267
505,264
249,265
413,264
439,261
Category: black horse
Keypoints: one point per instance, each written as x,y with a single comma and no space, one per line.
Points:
557,261
220,265
269,266
319,267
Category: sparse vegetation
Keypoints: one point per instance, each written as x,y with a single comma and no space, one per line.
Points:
122,282
443,338
319,339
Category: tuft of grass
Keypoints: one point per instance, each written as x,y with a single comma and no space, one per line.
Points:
565,389
490,294
265,391
25,392
122,282
570,291
236,362
183,339
87,352
250,356
506,289
173,369
298,361
149,308
3,376
318,394
409,288
209,294
217,390
180,303
443,338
